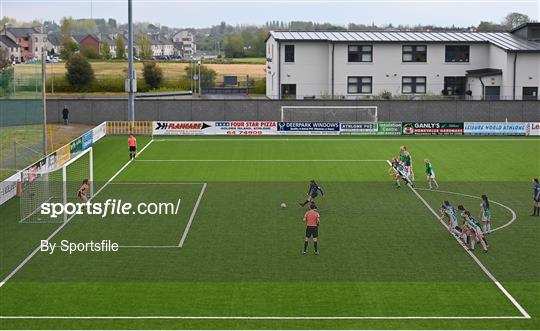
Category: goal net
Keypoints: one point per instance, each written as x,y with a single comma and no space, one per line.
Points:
329,114
46,182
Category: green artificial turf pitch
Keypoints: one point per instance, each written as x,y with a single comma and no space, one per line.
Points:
384,256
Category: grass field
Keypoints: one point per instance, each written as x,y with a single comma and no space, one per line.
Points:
171,70
29,142
386,261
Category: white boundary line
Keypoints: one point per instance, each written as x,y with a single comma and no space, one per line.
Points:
156,183
514,216
260,160
266,317
339,139
35,211
484,269
143,246
35,251
188,226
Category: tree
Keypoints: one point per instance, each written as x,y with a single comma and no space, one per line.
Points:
4,58
208,76
6,73
513,20
145,46
485,26
120,47
153,75
234,45
79,72
105,51
112,23
89,52
69,46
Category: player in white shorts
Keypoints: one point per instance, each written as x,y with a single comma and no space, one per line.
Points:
430,174
451,214
485,214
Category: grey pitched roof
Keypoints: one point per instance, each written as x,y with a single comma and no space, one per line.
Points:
80,37
22,32
106,38
55,39
521,26
8,41
157,41
504,40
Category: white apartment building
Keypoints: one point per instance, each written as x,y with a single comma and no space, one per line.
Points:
186,40
356,65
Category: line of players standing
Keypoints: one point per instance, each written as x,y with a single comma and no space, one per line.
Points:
470,232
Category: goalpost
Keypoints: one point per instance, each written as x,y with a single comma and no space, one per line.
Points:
54,184
329,113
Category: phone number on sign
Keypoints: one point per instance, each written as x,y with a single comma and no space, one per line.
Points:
246,133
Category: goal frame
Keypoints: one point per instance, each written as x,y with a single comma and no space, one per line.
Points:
283,108
63,168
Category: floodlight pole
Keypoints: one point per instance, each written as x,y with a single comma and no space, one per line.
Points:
199,76
43,97
131,78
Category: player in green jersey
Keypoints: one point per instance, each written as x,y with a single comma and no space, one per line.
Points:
406,158
485,214
430,174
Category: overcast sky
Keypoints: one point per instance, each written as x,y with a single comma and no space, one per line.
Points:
200,13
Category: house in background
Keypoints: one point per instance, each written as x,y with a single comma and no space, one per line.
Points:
185,40
54,43
107,39
13,50
88,41
30,40
355,65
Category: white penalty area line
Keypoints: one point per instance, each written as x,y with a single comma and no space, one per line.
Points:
261,160
192,216
265,317
37,249
512,212
484,269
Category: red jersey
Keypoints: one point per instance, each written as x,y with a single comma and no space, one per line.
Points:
312,218
132,142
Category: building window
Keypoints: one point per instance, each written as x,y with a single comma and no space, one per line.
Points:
530,92
457,53
492,93
454,85
414,53
288,91
360,53
359,85
413,85
289,53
